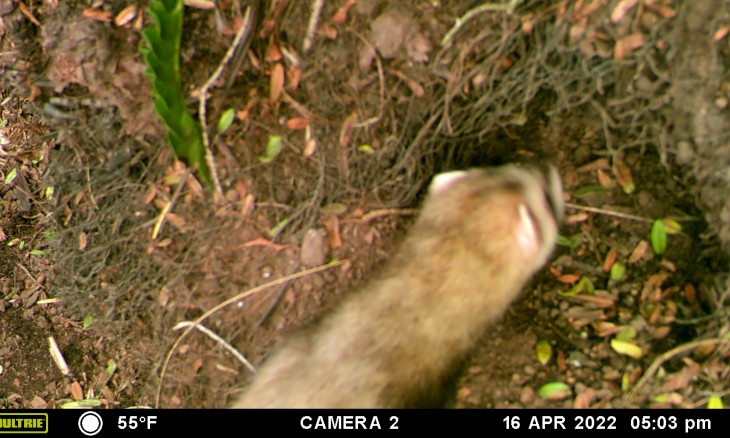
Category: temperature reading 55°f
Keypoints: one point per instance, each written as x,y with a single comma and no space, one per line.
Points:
136,421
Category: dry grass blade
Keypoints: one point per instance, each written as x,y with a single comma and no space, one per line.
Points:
226,303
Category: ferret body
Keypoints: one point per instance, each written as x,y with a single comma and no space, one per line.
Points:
396,342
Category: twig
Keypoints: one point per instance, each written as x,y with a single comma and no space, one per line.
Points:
387,212
161,218
381,79
312,25
487,7
203,93
228,302
608,212
659,361
277,298
57,356
241,358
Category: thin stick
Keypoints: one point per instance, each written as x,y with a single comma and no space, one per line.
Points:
228,302
211,334
608,212
659,361
381,79
161,218
312,25
203,93
487,7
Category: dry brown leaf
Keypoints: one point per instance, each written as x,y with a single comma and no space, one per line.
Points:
125,15
293,76
277,82
690,293
605,180
297,123
604,329
97,14
76,392
661,332
599,164
177,220
591,8
28,14
663,10
668,265
599,300
626,45
243,114
341,15
554,271
610,259
150,195
639,252
260,241
560,360
584,399
415,87
569,278
576,218
623,175
528,23
347,127
83,240
332,224
328,31
623,7
273,53
200,4
720,33
248,205
310,147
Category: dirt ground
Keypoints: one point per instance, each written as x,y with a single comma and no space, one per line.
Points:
628,98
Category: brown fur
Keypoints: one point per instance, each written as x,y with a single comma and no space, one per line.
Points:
396,341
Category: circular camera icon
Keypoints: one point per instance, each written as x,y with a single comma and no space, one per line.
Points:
90,423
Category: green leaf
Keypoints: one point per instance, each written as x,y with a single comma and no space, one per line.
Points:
49,193
278,227
571,242
273,147
366,148
715,402
671,226
658,237
584,285
161,52
582,192
555,391
50,235
88,320
11,176
618,270
627,348
37,252
226,120
82,404
627,334
544,351
111,367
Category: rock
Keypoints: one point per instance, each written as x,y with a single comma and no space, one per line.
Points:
314,249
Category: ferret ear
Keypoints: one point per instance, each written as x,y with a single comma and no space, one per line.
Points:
443,181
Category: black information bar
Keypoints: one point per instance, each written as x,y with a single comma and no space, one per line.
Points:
203,423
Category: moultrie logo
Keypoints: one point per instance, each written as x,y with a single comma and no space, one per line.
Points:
23,423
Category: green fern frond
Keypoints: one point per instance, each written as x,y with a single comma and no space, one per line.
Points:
162,55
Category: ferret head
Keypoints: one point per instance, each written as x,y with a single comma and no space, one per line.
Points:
514,210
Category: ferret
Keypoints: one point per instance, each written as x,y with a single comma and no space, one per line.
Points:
398,341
